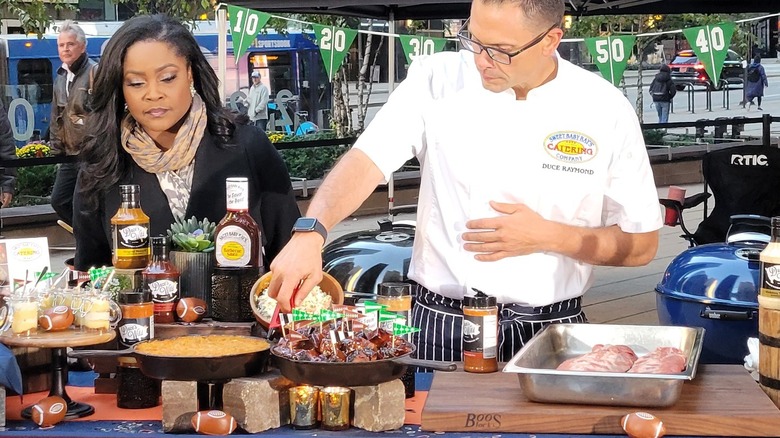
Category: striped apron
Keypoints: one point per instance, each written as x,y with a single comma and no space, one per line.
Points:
441,321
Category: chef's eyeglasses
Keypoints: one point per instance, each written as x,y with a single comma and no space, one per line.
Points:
497,55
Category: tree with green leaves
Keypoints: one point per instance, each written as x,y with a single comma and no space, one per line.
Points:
36,16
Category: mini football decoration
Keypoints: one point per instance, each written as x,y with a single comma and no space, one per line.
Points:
191,309
213,423
49,411
643,425
56,319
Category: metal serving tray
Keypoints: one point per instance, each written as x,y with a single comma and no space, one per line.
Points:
535,365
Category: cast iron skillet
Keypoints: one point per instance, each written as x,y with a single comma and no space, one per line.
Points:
352,373
189,368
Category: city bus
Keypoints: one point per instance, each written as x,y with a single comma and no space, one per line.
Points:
290,65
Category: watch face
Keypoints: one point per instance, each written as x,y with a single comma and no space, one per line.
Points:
305,223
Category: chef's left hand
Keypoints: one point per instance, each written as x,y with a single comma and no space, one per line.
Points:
517,231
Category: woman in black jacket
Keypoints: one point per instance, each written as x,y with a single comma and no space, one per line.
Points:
158,122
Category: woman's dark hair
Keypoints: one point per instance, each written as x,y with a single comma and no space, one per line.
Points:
665,68
104,161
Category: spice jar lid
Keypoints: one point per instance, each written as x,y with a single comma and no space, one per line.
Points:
394,289
134,297
480,300
233,271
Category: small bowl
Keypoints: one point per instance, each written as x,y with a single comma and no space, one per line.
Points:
328,284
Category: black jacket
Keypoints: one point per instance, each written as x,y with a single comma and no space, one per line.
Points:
662,88
271,201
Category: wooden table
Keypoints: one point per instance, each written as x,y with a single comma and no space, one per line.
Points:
723,400
58,342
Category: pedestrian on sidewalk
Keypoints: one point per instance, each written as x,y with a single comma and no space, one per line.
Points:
756,82
662,91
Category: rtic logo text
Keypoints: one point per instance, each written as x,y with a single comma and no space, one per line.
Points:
749,160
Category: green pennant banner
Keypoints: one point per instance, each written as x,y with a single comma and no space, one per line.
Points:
300,315
711,45
244,26
334,44
328,315
416,45
401,329
611,55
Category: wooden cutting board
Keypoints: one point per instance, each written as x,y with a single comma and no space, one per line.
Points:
723,400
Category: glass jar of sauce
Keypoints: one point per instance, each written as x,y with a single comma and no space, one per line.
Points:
135,390
480,333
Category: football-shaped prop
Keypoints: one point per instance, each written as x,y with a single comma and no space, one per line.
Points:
190,309
49,411
56,319
213,423
643,425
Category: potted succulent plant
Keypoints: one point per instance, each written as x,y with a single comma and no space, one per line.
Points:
193,244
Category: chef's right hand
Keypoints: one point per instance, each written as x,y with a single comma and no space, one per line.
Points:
298,267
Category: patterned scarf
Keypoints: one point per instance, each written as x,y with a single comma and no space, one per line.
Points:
154,160
175,167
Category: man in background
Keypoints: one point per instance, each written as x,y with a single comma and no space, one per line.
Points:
258,102
68,128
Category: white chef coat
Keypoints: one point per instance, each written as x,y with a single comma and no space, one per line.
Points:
572,151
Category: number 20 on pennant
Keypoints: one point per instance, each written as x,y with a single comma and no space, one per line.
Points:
333,39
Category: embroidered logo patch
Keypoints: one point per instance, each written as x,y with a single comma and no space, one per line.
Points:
570,147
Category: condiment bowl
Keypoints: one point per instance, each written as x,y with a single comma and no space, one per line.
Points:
328,285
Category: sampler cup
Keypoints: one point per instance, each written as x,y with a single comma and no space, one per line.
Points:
19,317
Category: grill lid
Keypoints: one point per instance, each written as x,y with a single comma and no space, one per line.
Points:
716,273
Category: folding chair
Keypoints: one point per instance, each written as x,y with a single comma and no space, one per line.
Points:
745,182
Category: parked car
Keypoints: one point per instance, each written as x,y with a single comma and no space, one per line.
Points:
686,68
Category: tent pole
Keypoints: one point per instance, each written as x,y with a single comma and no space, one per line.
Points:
391,53
222,51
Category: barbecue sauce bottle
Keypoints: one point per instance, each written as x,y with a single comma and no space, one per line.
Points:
769,267
237,237
161,280
480,334
130,231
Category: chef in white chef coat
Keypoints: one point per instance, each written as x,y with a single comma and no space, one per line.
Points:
533,171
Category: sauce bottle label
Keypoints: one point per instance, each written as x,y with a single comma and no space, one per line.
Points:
480,335
131,240
134,330
233,246
770,279
237,195
164,291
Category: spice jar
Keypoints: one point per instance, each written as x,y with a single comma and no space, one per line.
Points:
398,299
230,288
135,390
480,333
137,322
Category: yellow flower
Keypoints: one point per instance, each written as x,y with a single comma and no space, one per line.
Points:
33,150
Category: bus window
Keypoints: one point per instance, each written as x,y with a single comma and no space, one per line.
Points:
280,72
35,80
